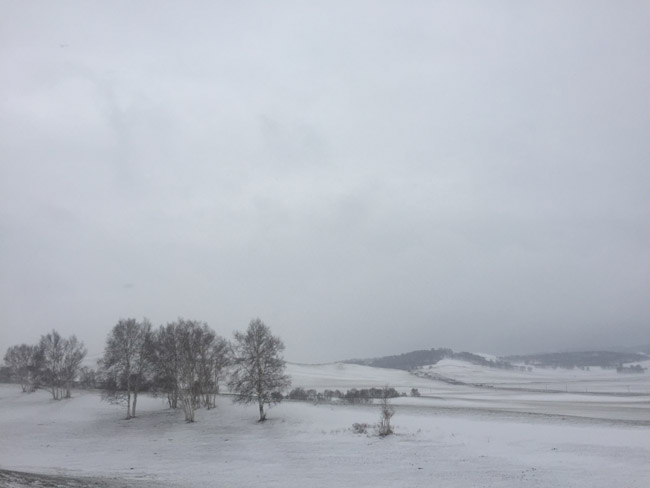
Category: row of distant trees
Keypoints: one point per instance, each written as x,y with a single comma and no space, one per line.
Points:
354,395
184,360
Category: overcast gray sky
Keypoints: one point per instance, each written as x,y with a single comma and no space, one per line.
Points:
367,177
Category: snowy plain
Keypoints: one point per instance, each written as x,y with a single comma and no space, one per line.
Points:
452,436
593,380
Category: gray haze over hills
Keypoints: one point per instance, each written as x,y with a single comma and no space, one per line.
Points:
366,177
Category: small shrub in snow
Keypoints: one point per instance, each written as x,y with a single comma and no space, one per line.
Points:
387,412
360,428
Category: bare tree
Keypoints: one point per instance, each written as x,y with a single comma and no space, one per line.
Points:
125,362
165,358
49,362
213,360
20,360
189,339
57,362
259,367
74,353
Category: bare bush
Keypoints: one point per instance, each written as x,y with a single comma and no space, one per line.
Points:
360,428
386,414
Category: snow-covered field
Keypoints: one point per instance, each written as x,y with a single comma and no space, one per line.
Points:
594,380
578,400
455,436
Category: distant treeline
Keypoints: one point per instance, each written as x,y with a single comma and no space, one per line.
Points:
415,359
581,359
364,395
635,369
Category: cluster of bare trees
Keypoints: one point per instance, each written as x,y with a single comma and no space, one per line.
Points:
188,362
185,360
52,364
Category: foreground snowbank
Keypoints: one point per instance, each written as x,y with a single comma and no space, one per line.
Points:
303,443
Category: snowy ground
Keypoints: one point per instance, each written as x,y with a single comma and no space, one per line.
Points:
457,436
611,402
594,380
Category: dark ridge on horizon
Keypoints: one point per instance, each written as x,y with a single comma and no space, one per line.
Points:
567,359
423,357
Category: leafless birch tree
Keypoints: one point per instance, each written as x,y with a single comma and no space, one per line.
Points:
125,362
165,357
259,367
73,354
213,360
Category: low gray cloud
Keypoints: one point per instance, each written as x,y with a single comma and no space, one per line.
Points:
368,178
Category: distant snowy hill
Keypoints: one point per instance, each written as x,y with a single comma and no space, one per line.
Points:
342,376
415,359
574,359
580,359
534,378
